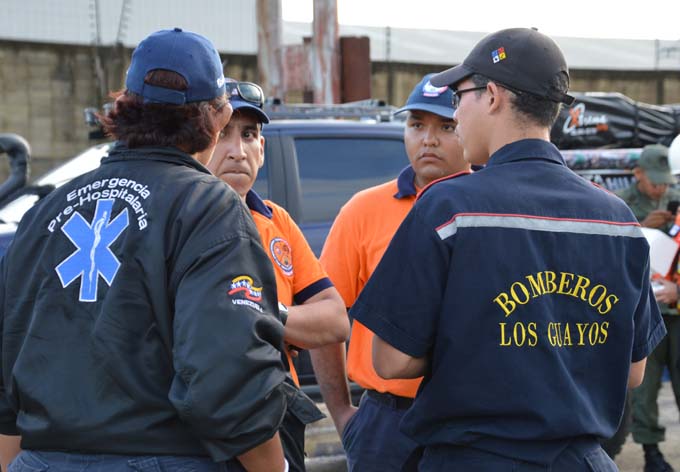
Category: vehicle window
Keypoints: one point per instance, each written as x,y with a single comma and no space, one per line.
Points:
334,169
261,185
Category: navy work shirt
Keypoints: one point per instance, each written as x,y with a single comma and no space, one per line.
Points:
528,290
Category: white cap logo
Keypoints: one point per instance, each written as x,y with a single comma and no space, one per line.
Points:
221,81
430,90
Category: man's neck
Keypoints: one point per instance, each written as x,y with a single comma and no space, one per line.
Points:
510,134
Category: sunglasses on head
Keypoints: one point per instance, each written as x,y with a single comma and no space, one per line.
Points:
247,91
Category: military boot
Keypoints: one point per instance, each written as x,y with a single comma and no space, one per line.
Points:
654,460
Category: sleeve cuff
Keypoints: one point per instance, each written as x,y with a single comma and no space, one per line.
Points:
311,290
388,332
9,429
644,350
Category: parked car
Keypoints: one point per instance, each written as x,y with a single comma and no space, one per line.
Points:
312,167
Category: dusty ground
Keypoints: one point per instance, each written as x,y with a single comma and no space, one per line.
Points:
326,452
631,458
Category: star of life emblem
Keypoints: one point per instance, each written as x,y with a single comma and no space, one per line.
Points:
93,256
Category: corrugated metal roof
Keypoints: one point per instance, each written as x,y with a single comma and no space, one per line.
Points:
231,25
451,47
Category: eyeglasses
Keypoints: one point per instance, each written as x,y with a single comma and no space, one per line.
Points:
248,91
455,99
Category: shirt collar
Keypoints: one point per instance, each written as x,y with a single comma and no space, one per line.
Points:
406,183
120,152
255,203
526,149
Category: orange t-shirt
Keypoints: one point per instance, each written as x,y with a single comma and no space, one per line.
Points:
299,275
357,241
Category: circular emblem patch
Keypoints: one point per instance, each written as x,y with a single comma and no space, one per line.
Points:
282,255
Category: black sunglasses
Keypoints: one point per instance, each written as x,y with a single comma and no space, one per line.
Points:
248,91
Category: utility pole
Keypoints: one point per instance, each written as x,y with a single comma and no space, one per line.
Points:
325,56
269,39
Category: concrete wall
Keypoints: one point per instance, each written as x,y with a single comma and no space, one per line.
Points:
393,82
45,87
43,91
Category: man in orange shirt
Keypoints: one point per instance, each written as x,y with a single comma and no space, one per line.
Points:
359,237
314,309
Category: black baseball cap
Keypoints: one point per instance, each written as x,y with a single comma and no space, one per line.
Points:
521,58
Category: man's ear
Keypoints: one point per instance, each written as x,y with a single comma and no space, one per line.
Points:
495,97
261,151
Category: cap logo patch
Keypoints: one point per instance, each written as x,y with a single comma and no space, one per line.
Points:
498,55
221,81
430,90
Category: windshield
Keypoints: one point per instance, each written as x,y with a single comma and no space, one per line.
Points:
13,211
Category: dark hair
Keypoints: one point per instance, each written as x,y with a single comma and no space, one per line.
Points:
538,110
187,127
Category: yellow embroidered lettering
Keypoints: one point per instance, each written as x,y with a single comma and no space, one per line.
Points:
554,335
516,297
567,336
593,294
582,283
582,327
550,285
593,333
505,303
604,332
504,341
609,302
533,337
565,280
536,284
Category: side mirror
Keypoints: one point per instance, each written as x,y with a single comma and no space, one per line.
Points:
18,151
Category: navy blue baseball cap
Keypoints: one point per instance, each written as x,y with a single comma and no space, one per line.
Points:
427,97
188,54
246,95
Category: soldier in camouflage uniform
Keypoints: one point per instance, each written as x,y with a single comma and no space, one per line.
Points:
649,198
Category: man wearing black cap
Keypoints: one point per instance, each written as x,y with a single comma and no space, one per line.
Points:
355,244
520,292
140,327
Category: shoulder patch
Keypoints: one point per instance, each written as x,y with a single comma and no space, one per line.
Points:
244,292
282,255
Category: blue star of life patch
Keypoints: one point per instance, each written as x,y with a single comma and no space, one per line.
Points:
93,256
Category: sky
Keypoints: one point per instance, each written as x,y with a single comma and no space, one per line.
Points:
647,19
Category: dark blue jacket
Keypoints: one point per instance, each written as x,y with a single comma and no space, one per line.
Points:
136,305
527,288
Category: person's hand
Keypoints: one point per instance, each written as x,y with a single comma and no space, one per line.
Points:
343,418
657,219
294,351
667,293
